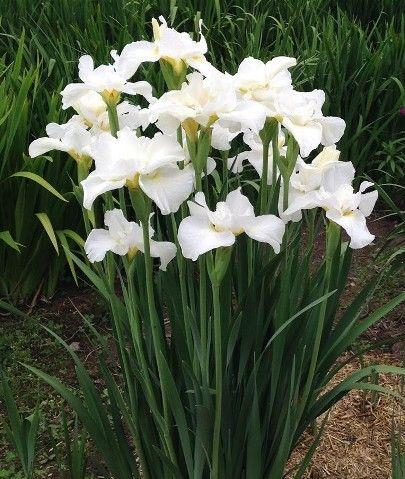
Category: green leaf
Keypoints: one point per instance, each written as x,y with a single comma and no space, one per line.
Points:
38,179
46,223
8,239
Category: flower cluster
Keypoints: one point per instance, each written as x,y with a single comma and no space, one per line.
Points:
203,109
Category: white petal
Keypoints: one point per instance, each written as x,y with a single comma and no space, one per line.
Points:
197,236
247,115
94,186
86,68
251,72
365,185
97,244
332,129
161,150
201,64
239,204
168,186
301,201
266,229
132,55
116,221
307,136
280,65
139,88
355,226
198,207
41,146
338,174
235,164
72,94
221,137
211,165
165,250
329,154
367,202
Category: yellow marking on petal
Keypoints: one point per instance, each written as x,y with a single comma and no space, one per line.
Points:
177,64
111,97
190,126
133,250
133,183
212,119
84,160
348,213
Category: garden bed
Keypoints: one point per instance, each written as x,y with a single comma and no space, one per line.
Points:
357,437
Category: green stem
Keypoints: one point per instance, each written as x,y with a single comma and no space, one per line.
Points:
332,241
286,184
202,283
263,182
183,290
276,155
113,119
157,335
218,381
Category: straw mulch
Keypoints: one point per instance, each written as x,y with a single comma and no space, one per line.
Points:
356,442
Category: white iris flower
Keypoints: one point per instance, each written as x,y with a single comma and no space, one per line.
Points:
125,237
147,163
205,230
107,80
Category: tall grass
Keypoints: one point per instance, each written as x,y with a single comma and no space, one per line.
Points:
353,50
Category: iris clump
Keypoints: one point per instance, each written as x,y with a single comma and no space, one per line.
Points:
254,327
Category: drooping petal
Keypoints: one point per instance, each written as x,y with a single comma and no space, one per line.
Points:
201,64
168,186
198,207
307,136
142,88
132,55
299,200
333,128
165,250
94,186
266,229
355,226
221,137
235,164
72,94
247,115
197,235
41,146
367,200
161,150
97,244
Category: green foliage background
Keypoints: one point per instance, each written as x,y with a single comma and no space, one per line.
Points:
353,49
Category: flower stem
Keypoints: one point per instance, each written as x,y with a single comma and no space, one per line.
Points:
286,184
183,290
266,135
263,182
157,336
218,381
332,241
276,154
113,119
